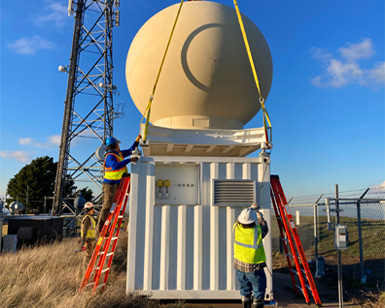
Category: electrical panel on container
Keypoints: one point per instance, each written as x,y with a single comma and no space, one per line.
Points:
176,184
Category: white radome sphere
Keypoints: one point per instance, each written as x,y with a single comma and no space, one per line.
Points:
206,81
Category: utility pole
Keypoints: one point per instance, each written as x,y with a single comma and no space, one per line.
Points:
89,109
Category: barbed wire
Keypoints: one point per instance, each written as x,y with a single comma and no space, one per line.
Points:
303,199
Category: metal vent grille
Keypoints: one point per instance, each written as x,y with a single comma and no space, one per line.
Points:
234,192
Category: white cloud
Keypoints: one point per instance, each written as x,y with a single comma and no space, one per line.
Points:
25,141
53,140
56,14
354,52
345,69
29,46
22,156
378,72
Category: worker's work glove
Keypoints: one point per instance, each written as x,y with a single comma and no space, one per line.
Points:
260,217
138,138
82,246
133,159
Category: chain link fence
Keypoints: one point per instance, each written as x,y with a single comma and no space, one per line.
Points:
315,216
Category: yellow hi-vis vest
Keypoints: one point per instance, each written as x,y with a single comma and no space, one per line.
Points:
248,246
110,174
91,230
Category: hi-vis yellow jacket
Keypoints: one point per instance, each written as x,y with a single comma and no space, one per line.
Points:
110,174
248,246
91,230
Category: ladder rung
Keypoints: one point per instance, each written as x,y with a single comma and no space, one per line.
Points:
120,216
109,254
101,285
90,284
101,253
96,268
289,255
105,270
298,287
294,271
285,239
114,238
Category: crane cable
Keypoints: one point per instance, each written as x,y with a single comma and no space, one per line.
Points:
261,99
148,108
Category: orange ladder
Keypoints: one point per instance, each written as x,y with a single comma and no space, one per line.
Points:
104,251
289,235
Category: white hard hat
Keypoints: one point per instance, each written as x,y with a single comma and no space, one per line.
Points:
89,205
247,216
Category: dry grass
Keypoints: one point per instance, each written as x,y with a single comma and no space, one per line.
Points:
49,276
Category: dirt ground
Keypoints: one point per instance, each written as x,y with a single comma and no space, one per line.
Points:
285,297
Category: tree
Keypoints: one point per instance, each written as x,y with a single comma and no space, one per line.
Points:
39,178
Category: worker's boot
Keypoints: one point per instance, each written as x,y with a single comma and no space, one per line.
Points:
246,301
258,303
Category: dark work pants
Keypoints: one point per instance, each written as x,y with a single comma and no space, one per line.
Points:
109,191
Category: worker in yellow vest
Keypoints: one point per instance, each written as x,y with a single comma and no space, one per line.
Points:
115,165
88,229
249,256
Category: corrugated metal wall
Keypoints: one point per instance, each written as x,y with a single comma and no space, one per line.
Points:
186,251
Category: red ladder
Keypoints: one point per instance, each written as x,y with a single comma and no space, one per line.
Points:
289,234
108,236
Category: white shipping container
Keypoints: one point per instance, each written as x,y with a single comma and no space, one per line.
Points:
180,242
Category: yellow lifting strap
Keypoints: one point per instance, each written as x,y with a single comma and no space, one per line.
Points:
148,108
261,99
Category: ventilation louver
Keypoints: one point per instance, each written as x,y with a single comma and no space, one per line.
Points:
234,192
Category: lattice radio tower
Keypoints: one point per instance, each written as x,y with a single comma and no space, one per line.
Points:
89,109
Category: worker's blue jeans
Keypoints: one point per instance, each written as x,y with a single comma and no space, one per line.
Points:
253,281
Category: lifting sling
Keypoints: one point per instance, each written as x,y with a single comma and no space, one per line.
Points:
261,99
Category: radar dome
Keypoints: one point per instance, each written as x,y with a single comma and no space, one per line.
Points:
206,81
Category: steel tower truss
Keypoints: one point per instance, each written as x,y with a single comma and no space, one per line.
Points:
89,108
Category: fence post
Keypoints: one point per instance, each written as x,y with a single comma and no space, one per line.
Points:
339,265
315,228
363,276
327,202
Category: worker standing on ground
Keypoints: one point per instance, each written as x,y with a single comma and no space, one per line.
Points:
114,167
88,229
249,256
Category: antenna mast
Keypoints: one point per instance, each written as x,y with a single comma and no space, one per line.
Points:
89,108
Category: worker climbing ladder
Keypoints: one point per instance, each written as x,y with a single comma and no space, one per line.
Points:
290,240
101,260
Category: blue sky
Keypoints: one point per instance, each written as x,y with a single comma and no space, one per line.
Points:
326,104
